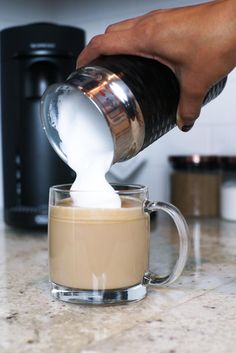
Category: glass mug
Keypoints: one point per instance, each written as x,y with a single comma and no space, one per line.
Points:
101,256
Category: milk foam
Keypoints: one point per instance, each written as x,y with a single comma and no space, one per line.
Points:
87,143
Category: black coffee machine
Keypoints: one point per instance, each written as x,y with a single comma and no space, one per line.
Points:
32,57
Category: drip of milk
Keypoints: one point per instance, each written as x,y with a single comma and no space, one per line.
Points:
87,143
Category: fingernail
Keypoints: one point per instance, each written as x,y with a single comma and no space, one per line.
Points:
186,128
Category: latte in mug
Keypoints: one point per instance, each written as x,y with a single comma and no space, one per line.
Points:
101,255
98,249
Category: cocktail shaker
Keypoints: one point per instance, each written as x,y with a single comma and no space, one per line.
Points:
136,97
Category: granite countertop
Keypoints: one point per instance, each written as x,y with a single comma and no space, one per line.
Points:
195,314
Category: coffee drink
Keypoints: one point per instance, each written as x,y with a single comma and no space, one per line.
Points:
98,249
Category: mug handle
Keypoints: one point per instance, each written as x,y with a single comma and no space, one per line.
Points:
183,232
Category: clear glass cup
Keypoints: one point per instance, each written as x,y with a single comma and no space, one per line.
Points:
101,256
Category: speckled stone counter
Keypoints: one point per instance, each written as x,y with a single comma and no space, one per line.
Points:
195,314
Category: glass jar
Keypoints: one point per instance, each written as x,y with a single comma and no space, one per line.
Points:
228,189
195,185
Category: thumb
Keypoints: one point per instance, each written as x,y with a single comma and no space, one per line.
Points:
189,108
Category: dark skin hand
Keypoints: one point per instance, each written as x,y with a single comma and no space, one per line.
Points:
198,43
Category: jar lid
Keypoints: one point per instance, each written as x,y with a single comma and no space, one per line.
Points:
228,163
195,162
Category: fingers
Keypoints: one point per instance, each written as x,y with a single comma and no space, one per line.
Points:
119,38
131,22
123,25
110,43
189,108
103,44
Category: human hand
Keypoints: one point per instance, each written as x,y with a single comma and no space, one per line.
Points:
198,43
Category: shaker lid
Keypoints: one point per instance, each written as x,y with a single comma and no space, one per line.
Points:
195,162
228,163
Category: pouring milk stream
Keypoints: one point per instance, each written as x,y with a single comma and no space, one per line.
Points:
88,145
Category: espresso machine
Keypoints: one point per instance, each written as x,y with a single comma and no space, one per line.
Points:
32,57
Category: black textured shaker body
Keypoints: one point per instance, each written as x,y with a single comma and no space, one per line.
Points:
155,88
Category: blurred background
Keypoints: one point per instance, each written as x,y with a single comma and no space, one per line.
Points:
213,134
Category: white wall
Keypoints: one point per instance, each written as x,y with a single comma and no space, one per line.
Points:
215,131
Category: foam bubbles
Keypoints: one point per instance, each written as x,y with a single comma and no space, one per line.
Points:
87,143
